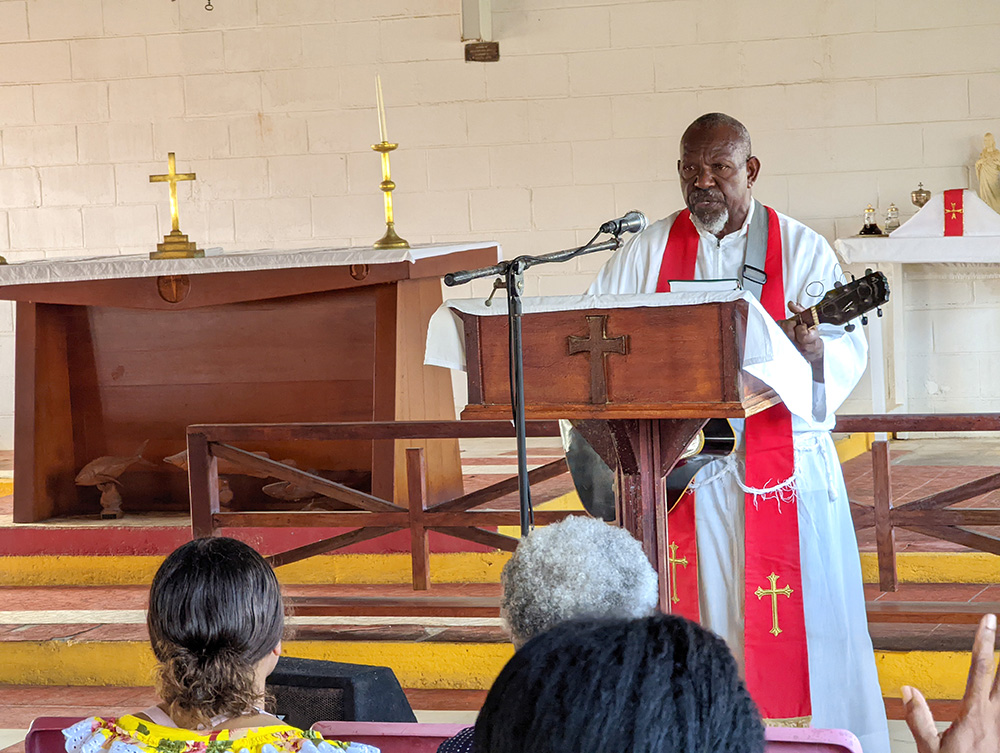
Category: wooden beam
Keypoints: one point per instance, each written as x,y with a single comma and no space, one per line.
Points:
306,480
885,536
501,488
918,422
930,612
955,494
477,20
416,483
328,545
934,518
480,536
352,519
203,485
370,430
393,606
965,537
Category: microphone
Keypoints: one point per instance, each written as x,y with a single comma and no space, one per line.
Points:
632,222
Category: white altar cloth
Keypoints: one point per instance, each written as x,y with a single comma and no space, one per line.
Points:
768,354
967,249
140,265
887,337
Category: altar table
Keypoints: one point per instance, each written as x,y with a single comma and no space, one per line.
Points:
114,351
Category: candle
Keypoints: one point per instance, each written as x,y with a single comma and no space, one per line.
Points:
381,109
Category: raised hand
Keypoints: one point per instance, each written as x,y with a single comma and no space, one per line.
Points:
977,728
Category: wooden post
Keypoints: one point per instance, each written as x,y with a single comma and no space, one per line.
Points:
416,483
203,486
885,536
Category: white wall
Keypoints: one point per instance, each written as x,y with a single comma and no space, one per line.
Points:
271,102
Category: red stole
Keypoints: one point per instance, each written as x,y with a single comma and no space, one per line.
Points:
776,658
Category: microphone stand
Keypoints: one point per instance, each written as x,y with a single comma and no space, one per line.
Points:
512,280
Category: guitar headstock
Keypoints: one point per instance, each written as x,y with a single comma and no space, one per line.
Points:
853,299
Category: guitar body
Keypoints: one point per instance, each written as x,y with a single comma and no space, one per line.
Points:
595,480
718,440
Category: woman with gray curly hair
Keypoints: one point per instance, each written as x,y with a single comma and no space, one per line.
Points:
579,567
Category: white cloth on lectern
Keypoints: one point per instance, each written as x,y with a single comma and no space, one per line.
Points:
767,352
842,676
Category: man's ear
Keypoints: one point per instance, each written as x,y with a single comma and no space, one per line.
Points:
753,170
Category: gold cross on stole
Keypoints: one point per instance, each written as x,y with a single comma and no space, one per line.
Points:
774,592
954,212
673,561
172,177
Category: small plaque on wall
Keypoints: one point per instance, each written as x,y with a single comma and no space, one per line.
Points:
482,52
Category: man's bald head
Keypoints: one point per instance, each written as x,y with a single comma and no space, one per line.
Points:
715,120
717,170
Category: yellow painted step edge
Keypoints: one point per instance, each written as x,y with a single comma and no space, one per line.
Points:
457,567
939,674
56,570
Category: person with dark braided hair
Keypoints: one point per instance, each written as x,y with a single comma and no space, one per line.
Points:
215,621
659,684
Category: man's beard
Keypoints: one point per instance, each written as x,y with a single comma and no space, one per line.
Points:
710,219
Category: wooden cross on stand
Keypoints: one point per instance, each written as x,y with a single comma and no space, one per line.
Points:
172,177
175,245
599,346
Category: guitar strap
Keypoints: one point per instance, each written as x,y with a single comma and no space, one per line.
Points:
755,257
775,651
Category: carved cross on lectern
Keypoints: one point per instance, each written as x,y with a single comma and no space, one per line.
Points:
599,346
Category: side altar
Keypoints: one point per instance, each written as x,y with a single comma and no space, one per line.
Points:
115,352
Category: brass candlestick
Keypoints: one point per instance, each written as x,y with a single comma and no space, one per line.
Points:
175,244
390,239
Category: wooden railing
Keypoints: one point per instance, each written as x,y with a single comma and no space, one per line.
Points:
463,517
370,516
929,515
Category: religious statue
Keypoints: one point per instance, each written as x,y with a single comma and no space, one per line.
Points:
103,473
988,172
226,467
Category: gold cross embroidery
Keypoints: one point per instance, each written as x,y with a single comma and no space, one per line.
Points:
954,212
673,561
774,592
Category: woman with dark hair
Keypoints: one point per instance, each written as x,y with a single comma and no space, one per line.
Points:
659,684
215,623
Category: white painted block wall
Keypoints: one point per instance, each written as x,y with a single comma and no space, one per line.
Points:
271,102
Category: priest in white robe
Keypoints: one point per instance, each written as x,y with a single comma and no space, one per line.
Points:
717,172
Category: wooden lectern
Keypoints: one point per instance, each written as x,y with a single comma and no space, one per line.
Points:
639,383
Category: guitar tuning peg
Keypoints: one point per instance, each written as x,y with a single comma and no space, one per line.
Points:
849,328
868,271
879,312
864,319
853,278
838,284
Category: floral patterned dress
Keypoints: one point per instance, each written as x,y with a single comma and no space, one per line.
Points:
129,734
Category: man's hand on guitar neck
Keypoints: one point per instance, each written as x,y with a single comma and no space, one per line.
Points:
806,339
